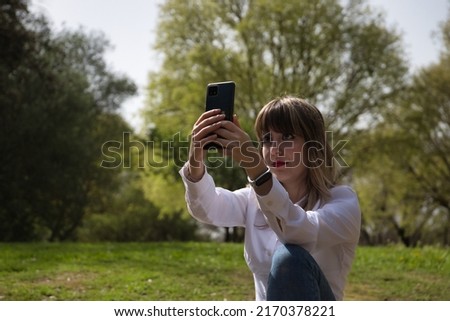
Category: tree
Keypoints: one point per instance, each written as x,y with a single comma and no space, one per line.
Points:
403,163
129,216
56,93
343,59
390,198
424,118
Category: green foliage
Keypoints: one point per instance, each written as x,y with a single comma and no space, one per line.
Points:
130,215
402,170
59,108
198,271
57,98
342,58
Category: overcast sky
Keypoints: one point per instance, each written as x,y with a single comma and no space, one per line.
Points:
130,26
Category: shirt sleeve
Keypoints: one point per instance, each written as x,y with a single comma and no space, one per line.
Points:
336,221
215,205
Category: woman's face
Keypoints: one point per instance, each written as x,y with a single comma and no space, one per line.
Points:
283,154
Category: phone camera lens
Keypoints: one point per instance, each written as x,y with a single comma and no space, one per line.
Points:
213,90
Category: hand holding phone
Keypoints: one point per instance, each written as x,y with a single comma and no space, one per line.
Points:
220,95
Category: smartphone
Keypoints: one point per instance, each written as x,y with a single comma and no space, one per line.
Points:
220,95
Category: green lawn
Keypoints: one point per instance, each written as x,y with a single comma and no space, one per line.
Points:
198,271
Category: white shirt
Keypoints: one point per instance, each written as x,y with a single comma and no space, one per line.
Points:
330,232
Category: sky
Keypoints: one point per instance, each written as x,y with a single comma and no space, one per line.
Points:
130,26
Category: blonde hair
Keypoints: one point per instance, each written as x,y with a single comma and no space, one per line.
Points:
296,116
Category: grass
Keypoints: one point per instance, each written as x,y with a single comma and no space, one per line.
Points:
399,273
198,271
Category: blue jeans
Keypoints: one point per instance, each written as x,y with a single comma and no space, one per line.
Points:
295,276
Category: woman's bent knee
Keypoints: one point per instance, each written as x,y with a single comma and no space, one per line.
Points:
295,275
291,256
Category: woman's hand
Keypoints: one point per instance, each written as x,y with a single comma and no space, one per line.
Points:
237,143
212,127
203,132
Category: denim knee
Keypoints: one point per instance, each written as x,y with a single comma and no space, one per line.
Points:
291,258
295,275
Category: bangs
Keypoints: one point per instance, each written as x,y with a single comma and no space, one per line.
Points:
279,117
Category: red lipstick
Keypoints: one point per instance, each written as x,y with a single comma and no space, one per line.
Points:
279,164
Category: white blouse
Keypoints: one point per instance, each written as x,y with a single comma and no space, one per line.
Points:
330,232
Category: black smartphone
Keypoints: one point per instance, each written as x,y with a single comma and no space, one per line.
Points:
220,95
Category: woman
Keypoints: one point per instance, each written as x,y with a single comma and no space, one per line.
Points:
301,229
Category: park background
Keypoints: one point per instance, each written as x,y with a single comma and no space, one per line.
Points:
77,172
